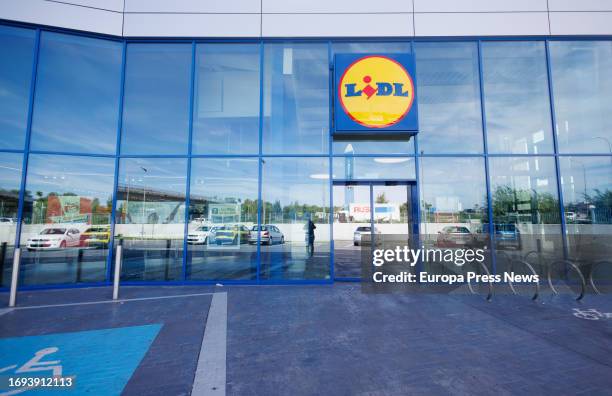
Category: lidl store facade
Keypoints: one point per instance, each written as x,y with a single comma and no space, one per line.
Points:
210,159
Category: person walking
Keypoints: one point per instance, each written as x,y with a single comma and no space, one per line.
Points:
310,235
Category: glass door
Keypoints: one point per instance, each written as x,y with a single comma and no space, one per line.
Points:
352,228
370,214
391,215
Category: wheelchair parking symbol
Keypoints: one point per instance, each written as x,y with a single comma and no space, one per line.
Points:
35,369
53,362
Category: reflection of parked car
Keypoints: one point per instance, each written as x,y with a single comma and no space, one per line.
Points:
200,235
231,235
6,220
455,236
54,238
507,236
363,235
96,237
269,234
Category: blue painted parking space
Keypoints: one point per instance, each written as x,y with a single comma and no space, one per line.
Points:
147,343
96,362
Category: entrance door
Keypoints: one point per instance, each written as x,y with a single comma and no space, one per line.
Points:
367,214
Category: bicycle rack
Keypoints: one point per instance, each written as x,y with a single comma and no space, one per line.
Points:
595,265
576,269
511,263
490,286
532,271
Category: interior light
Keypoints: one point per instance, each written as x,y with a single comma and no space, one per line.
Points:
391,160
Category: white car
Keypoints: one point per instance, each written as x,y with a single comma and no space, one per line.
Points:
200,235
55,238
363,235
270,234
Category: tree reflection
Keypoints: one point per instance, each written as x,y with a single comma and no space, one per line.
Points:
518,205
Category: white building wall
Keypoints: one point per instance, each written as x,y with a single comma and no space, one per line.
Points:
317,18
78,14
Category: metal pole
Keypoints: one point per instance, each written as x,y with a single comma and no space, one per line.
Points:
2,260
118,260
15,277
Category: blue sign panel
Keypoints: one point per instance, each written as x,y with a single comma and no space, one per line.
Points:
375,94
97,362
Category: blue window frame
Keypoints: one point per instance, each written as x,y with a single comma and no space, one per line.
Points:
449,98
222,238
66,219
581,74
291,93
16,60
226,102
10,179
517,98
77,95
156,99
149,217
296,98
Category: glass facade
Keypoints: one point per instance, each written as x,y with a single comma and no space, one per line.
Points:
10,177
156,99
76,95
15,79
449,98
65,231
223,208
296,99
150,217
517,98
213,161
226,103
295,192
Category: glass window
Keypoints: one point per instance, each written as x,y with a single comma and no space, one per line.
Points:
453,192
222,234
77,94
587,196
156,99
449,98
226,108
10,181
525,202
66,219
582,86
351,146
295,195
150,217
296,99
453,209
371,168
15,80
516,96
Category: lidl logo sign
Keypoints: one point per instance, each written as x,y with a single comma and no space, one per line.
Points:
374,93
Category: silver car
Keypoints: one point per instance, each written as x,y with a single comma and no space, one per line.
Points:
269,234
363,235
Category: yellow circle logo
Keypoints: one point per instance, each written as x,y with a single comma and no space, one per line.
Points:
376,91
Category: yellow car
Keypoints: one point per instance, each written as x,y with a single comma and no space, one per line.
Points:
231,235
96,237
